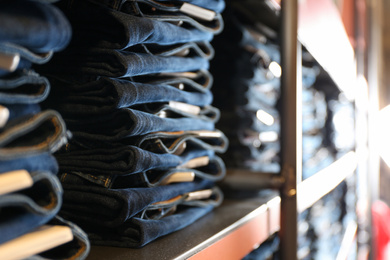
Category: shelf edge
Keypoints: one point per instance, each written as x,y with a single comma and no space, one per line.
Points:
314,188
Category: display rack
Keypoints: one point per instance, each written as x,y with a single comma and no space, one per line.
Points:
240,225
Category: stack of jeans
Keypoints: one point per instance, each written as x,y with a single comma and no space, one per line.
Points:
247,88
342,134
316,151
134,89
30,192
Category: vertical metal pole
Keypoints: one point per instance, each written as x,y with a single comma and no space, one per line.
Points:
291,130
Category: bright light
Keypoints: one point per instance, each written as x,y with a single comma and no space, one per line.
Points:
264,117
275,68
383,137
270,136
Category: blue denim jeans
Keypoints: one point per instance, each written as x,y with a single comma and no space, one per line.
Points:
27,57
24,87
31,163
29,208
37,26
121,160
199,81
113,63
127,122
95,30
20,110
108,94
33,134
76,249
172,142
139,231
91,175
267,250
116,206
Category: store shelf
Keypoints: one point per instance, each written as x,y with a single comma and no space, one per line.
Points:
314,188
230,232
322,32
348,241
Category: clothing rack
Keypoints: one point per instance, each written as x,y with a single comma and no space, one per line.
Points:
239,225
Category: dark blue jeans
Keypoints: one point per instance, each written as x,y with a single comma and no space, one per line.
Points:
173,142
116,206
31,163
24,87
32,134
121,160
90,175
29,208
113,63
200,80
139,231
37,26
108,94
127,122
19,110
95,29
76,249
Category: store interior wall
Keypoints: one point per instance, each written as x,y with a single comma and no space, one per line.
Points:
384,94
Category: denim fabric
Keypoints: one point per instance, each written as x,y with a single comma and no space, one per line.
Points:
267,250
121,160
342,133
76,249
319,160
96,29
138,232
25,87
311,144
177,110
215,25
25,54
24,210
19,110
38,26
107,95
171,142
263,14
200,80
112,63
214,5
31,163
127,123
23,65
314,110
113,207
198,49
214,171
133,8
15,222
309,76
32,134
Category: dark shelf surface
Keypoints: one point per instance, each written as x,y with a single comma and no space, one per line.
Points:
231,230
